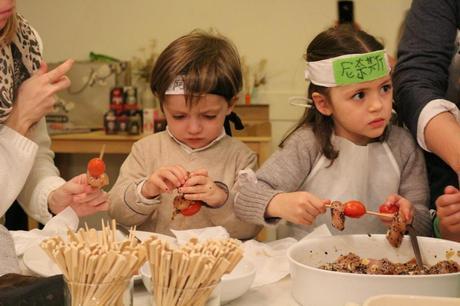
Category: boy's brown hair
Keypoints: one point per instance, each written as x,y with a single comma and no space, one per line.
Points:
208,63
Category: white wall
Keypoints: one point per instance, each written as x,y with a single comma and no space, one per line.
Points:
277,30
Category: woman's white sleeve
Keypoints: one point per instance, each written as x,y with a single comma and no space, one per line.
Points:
44,176
17,155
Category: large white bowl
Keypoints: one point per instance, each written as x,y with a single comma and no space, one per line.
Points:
315,287
232,286
238,282
410,300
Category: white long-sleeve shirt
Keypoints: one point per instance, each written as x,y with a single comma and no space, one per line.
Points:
27,171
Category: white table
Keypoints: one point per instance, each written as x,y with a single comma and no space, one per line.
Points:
275,294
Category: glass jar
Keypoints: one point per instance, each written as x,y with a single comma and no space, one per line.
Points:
118,292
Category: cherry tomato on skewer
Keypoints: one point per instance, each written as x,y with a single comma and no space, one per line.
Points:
96,167
354,209
192,209
388,208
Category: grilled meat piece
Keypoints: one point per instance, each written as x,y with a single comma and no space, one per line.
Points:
397,229
337,215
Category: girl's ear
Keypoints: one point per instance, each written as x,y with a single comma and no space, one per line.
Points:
321,104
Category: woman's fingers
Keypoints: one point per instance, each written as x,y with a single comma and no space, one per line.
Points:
57,73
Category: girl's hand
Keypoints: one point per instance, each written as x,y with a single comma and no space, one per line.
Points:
164,179
201,187
297,207
77,194
36,96
405,208
448,212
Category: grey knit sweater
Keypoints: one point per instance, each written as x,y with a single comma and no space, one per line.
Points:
286,171
8,259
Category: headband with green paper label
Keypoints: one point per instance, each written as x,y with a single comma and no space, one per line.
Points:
348,69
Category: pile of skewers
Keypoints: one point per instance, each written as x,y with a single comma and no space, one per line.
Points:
96,267
187,275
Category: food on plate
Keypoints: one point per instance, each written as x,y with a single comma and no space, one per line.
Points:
95,173
352,263
388,208
354,209
397,229
185,207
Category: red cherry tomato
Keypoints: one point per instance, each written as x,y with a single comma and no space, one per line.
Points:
388,208
354,209
192,209
96,167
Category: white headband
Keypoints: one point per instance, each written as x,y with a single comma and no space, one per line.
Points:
177,86
348,69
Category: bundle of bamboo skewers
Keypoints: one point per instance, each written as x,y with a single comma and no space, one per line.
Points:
96,267
187,275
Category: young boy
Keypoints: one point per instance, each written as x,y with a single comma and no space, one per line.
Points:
197,79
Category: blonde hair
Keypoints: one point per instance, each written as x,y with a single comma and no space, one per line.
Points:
8,32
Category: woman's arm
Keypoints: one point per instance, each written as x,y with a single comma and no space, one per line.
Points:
17,155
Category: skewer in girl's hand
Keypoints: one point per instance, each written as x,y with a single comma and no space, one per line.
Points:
396,203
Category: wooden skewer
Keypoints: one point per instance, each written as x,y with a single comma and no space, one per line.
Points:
369,212
101,155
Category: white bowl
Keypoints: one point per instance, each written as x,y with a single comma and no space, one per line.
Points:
410,300
315,287
232,286
238,282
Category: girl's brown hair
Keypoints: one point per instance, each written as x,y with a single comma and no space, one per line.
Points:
9,30
208,63
337,41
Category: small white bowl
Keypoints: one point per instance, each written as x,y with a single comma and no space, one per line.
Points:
232,285
145,274
238,282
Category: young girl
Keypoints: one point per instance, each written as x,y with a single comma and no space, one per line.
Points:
343,148
197,79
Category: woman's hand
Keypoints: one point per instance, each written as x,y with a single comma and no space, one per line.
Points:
36,97
164,179
201,187
297,207
448,212
405,208
77,194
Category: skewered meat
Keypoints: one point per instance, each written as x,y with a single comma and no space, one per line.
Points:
352,263
338,215
185,207
397,229
95,174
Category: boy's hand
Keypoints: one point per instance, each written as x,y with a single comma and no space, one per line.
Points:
448,212
297,207
201,187
164,179
405,207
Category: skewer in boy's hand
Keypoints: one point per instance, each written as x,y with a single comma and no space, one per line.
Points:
297,207
404,206
164,180
201,187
